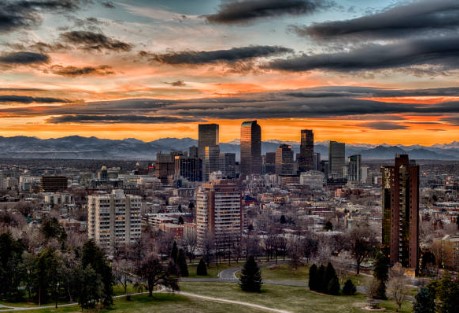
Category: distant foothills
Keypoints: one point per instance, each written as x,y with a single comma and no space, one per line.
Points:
77,147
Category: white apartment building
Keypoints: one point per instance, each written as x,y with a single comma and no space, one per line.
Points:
218,212
114,218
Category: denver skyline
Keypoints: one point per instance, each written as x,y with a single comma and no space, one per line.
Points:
354,71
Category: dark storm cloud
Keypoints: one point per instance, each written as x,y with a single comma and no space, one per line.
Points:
94,41
453,120
384,125
414,18
73,71
232,12
177,83
26,99
23,58
206,57
440,51
15,15
115,119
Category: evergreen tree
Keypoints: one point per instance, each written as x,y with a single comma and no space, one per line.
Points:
201,270
174,252
328,226
381,274
313,277
349,288
89,287
333,286
330,280
10,269
94,256
448,294
250,279
283,220
321,283
424,301
181,263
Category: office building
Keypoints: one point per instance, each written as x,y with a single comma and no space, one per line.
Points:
270,163
208,136
188,167
284,160
336,159
54,183
114,219
218,213
211,161
400,204
354,172
250,148
306,158
228,165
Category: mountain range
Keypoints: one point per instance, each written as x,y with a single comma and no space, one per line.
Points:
76,147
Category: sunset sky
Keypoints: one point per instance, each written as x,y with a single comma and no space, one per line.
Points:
359,71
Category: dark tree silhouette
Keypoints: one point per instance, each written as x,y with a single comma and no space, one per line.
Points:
201,270
250,279
424,301
349,288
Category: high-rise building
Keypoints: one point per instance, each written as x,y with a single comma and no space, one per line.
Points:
211,162
188,167
306,159
270,163
165,167
250,148
114,219
218,213
284,160
54,183
317,161
228,165
336,159
193,152
400,204
208,136
354,172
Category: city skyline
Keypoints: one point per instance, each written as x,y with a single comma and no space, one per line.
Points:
367,72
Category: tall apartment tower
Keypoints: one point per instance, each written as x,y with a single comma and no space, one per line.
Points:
336,159
250,148
354,172
400,204
284,160
114,218
306,159
208,135
218,213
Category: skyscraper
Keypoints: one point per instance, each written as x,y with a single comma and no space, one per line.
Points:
208,135
400,204
306,159
211,161
218,213
250,148
336,159
354,172
284,160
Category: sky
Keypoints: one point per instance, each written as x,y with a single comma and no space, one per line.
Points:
358,71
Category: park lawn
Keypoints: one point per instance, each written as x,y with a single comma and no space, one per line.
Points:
160,303
212,269
293,299
284,272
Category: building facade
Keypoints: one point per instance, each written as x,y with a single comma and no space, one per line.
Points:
218,213
336,159
114,219
354,172
250,148
400,204
306,158
208,136
284,160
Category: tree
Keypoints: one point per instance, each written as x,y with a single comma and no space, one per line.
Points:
333,286
181,263
90,287
362,241
283,220
349,288
52,229
174,252
11,272
448,294
153,272
321,283
250,279
424,301
427,263
381,273
311,246
328,226
330,280
94,256
181,221
313,279
201,270
397,285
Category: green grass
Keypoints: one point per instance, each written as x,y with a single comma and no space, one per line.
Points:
284,272
212,269
294,299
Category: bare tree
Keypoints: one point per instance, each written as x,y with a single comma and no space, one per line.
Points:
397,285
362,244
190,242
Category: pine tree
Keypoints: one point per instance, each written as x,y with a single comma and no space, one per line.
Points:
349,288
425,301
313,277
381,273
181,263
250,279
330,280
321,283
333,286
202,268
174,252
